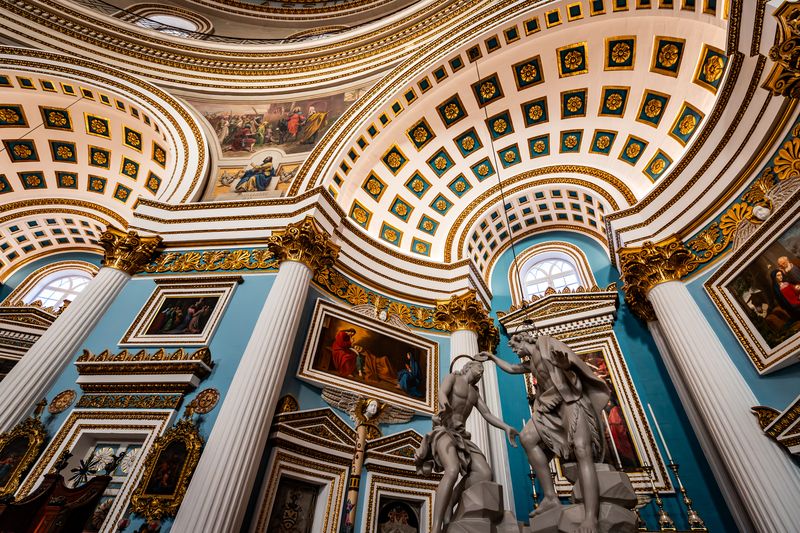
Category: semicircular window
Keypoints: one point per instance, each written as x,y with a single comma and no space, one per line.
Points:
554,272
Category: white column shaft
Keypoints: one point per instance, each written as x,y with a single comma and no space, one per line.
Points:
33,375
465,342
497,438
765,477
218,494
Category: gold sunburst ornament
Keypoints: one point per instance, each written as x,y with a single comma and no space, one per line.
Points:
713,68
573,59
390,235
374,186
687,124
538,147
633,150
621,52
460,186
653,108
488,90
427,225
574,103
8,115
468,143
451,111
528,73
614,101
401,209
509,157
668,55
417,185
440,163
499,125
571,141
603,141
394,160
483,170
535,112
420,135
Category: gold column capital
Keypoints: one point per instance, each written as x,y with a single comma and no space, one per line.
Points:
304,242
465,312
645,267
127,251
784,78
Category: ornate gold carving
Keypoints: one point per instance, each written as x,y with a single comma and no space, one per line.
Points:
127,251
61,402
212,260
34,432
156,506
203,354
203,403
645,267
130,401
304,242
765,415
465,312
287,404
784,78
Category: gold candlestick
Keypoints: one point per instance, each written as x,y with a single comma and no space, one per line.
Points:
665,522
695,522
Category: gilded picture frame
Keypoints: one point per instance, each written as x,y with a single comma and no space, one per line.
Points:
760,305
382,361
19,449
181,312
167,471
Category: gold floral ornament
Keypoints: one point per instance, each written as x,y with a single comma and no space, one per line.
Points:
713,68
64,152
509,156
32,180
22,151
98,126
374,186
57,119
67,180
203,403
420,248
620,52
784,78
706,240
538,147
159,155
653,108
499,125
97,185
614,101
394,160
133,139
61,402
668,55
535,112
128,252
483,170
304,242
130,169
451,111
787,163
759,190
467,143
417,185
633,150
465,312
99,158
734,217
122,194
657,166
390,234
401,209
603,142
441,205
573,59
9,115
360,215
420,134
571,141
440,163
687,124
488,90
574,103
528,72
152,184
427,225
460,186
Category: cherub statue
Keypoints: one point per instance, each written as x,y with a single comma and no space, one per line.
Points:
566,417
448,448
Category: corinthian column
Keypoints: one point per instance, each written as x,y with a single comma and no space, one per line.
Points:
471,331
764,477
32,376
223,481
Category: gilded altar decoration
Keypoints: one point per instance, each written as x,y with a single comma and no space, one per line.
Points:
212,261
304,242
784,78
130,401
466,312
203,403
61,402
645,267
781,426
167,470
19,448
129,251
367,356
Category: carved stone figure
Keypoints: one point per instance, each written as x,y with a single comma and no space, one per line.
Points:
448,448
566,419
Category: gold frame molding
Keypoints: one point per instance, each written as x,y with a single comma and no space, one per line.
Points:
32,429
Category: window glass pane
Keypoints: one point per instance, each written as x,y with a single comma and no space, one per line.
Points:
62,288
552,272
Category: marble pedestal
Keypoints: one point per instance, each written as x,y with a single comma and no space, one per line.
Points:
481,510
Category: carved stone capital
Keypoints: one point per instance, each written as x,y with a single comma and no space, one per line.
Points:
784,78
127,251
644,268
304,242
465,312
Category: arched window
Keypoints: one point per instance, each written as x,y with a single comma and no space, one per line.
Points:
544,272
53,290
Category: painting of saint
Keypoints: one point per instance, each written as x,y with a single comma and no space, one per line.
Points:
294,506
167,472
768,288
10,457
618,428
262,178
355,353
179,315
398,516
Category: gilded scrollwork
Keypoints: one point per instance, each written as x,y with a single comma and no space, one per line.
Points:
304,242
465,312
130,401
784,78
212,260
127,251
32,432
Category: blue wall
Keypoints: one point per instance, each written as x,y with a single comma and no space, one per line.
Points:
26,270
649,377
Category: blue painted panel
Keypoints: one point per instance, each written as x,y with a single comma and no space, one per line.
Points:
649,377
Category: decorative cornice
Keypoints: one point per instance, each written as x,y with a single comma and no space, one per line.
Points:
784,78
781,426
644,268
127,252
304,242
466,312
211,261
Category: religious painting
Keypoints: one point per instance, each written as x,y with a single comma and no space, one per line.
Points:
294,506
398,516
18,450
181,313
167,470
367,356
263,177
291,126
758,290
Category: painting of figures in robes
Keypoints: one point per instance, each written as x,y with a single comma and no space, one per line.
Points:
362,354
263,177
291,126
398,516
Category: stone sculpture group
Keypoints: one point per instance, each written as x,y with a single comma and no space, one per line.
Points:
566,422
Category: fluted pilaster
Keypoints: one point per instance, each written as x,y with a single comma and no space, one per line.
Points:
33,375
223,481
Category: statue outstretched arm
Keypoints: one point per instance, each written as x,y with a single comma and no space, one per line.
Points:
496,422
505,366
